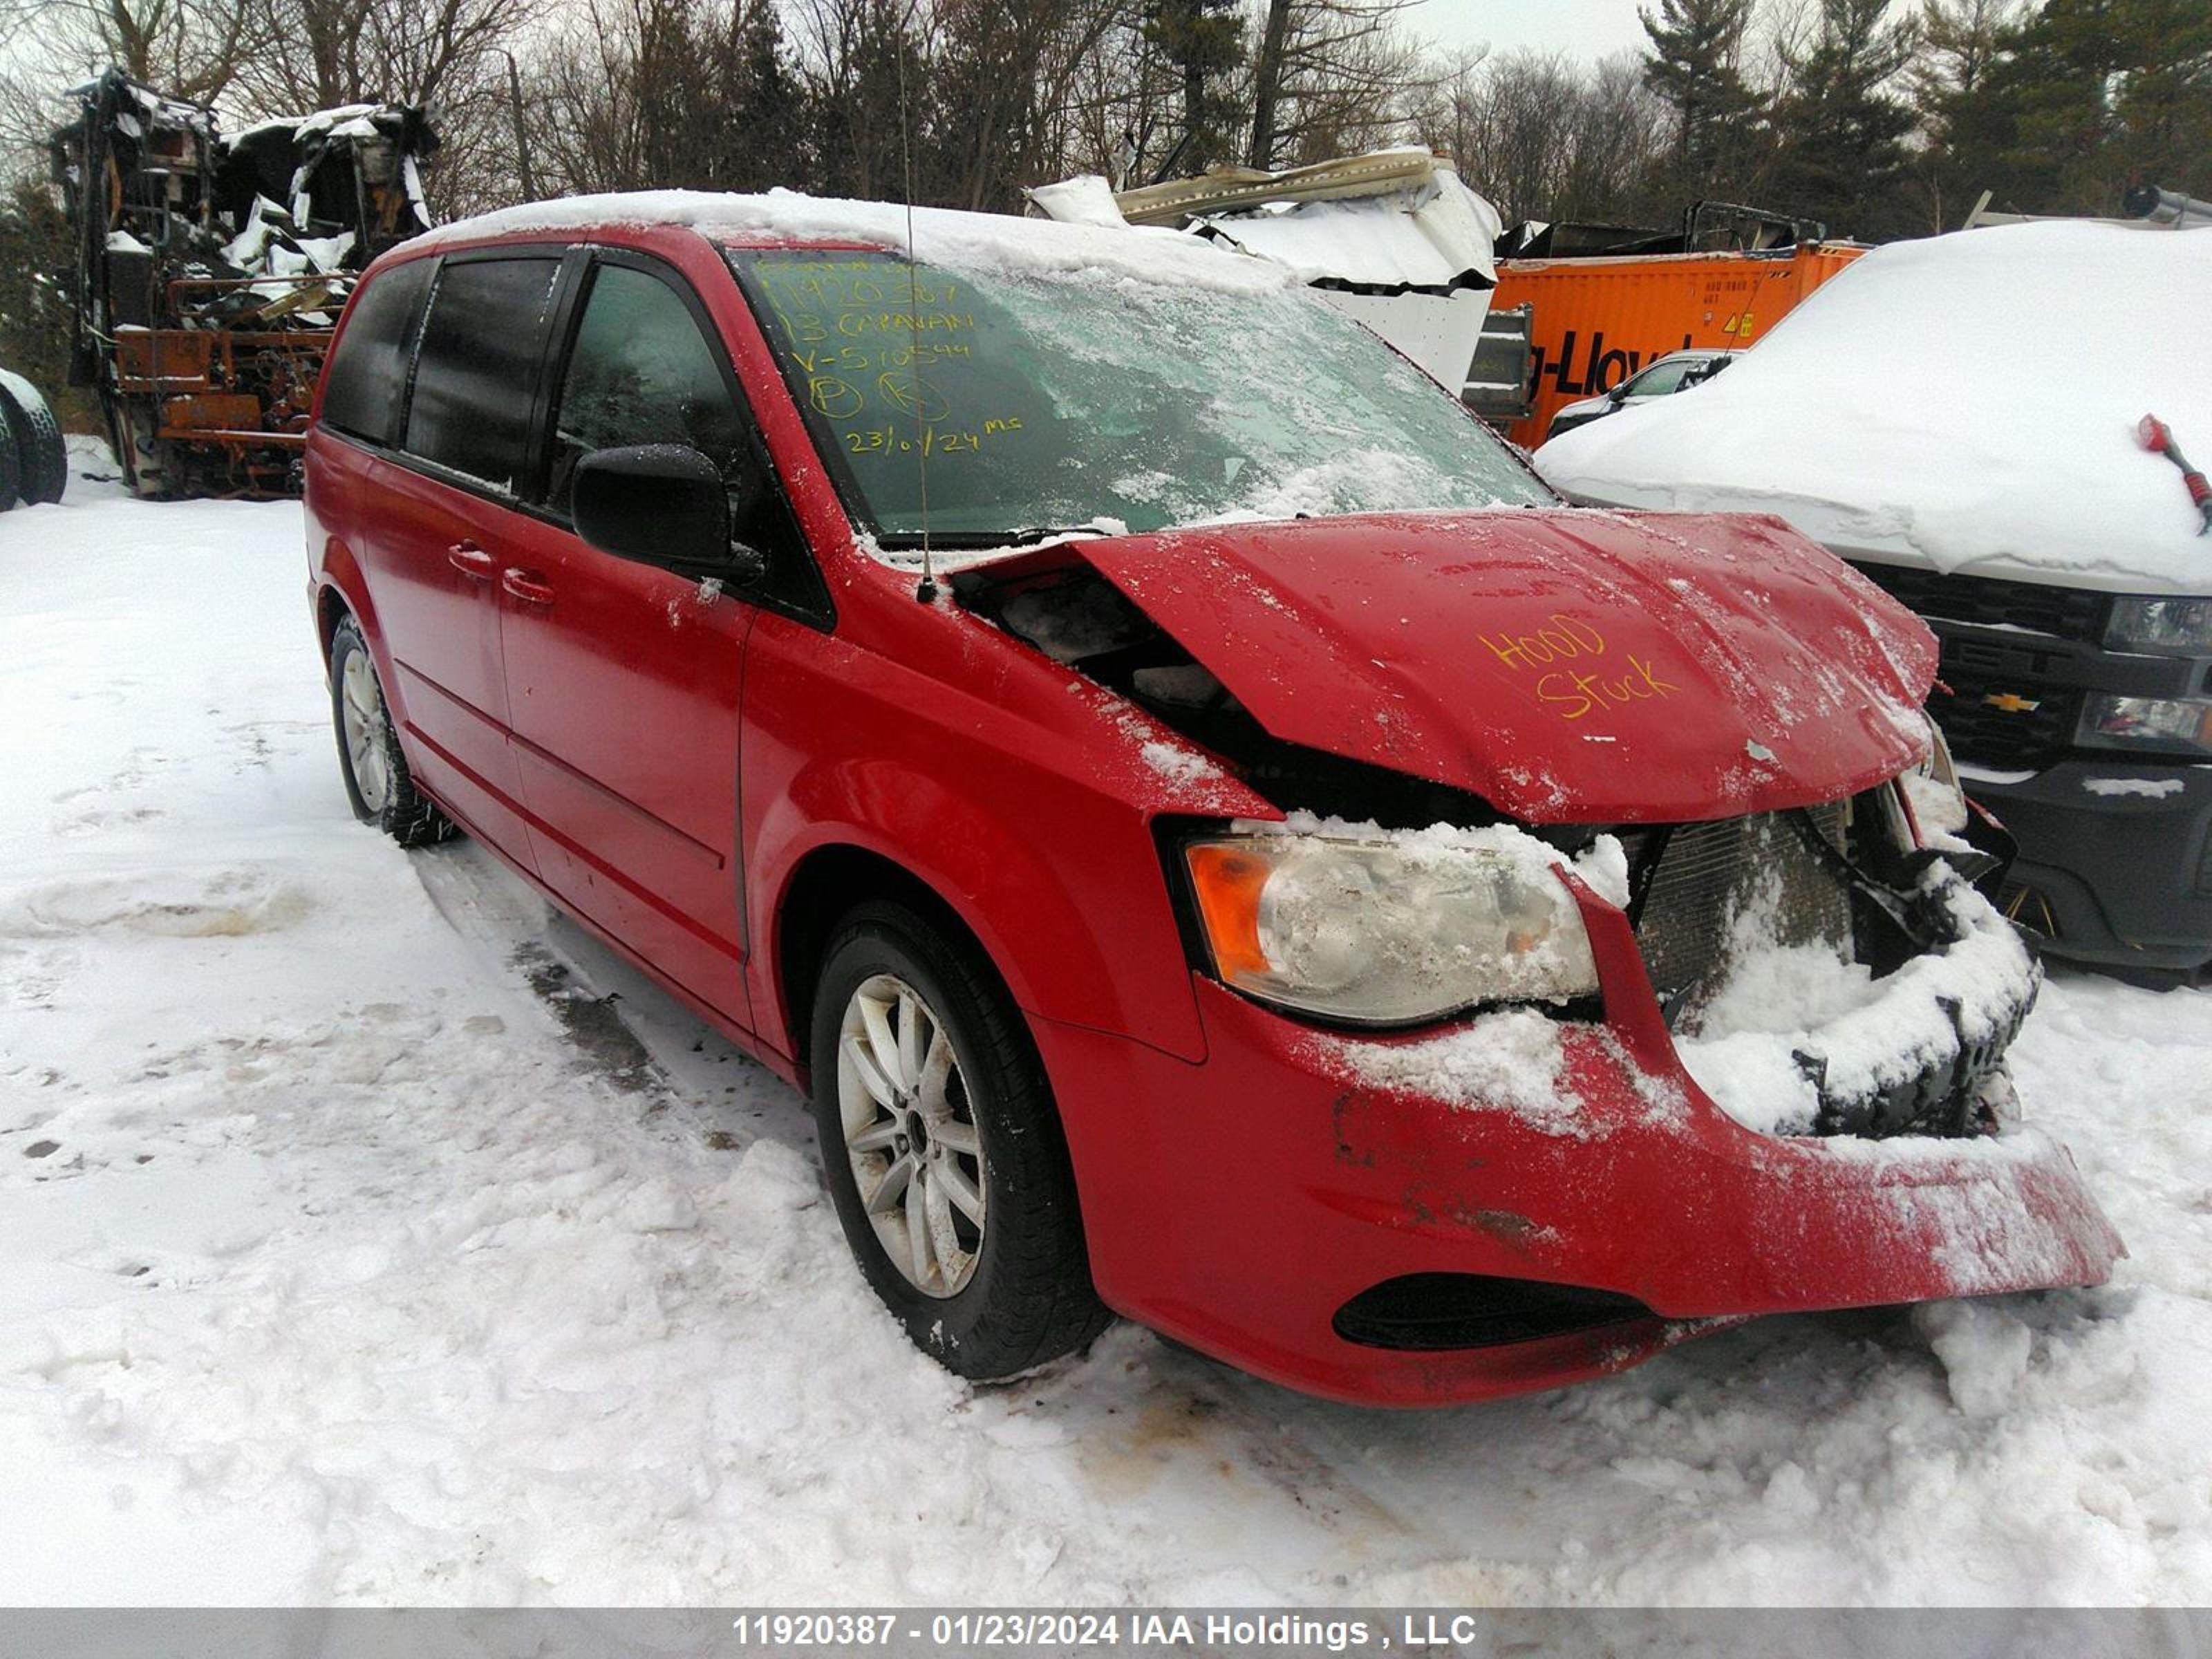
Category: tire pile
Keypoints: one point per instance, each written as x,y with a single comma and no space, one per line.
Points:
33,458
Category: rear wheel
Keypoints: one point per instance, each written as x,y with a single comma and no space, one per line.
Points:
377,781
11,472
943,1149
41,452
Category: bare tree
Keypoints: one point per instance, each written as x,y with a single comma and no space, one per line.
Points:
1546,137
346,52
188,49
1333,76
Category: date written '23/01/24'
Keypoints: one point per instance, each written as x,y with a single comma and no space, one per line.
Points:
931,440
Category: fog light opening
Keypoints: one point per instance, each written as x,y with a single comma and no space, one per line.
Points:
1431,1313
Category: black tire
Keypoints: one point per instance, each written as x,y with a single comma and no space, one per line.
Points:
11,472
41,451
1030,1298
405,814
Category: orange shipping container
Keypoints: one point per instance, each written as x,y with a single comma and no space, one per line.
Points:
1593,323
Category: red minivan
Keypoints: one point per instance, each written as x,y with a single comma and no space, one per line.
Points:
1215,838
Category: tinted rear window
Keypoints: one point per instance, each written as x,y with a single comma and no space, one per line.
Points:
368,374
478,368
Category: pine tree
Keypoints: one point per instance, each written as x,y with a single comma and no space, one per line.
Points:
758,102
1841,131
2085,98
2161,101
1205,41
1696,49
1963,44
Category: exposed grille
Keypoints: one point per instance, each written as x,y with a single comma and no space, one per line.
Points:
1707,874
2066,612
2003,733
1700,882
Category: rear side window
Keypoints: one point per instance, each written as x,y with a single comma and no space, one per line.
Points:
368,374
475,372
642,373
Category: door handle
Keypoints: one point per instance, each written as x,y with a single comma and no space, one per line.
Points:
471,560
528,585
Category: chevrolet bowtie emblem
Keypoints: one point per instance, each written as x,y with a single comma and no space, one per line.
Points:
2012,703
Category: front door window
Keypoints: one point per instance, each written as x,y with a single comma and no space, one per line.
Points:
642,373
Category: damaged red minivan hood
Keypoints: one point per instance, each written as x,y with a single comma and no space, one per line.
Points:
1567,666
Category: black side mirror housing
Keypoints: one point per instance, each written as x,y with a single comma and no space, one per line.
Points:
663,504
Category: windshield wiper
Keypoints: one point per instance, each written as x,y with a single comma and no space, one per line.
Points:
969,540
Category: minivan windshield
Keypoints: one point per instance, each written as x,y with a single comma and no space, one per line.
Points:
1028,401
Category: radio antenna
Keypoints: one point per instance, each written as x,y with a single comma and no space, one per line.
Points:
925,593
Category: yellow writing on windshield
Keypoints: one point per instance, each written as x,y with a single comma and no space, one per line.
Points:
863,335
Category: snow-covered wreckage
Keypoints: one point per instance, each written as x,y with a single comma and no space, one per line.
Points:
1466,942
210,267
1964,419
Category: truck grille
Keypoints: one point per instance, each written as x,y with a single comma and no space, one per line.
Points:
1697,879
1989,734
2066,613
1993,734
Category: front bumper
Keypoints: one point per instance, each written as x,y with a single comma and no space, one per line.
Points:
1241,1203
2119,874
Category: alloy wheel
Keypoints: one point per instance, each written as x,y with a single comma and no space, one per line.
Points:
910,1133
361,704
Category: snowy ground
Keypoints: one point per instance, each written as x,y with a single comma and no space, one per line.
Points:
367,1235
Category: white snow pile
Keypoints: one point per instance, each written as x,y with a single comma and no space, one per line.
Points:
1968,402
989,242
353,120
355,1247
1781,1000
1323,489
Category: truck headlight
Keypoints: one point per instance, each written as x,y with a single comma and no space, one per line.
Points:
1939,804
2161,624
2159,726
1373,932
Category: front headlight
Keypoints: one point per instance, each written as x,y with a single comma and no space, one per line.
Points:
1374,932
2161,624
2158,726
1939,804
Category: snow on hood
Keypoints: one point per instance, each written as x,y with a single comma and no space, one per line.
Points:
1567,666
995,242
1967,402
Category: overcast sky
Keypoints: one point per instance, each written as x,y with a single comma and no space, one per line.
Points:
1587,29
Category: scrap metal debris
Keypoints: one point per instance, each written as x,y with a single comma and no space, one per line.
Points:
211,269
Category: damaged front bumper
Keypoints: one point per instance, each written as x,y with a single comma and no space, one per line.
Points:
1319,1210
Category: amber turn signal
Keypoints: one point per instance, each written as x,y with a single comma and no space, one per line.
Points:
1228,881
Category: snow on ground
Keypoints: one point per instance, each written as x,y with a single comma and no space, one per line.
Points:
369,1235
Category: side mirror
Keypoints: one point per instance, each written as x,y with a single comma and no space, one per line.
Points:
662,504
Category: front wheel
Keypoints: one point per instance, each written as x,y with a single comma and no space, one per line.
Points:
377,782
943,1149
